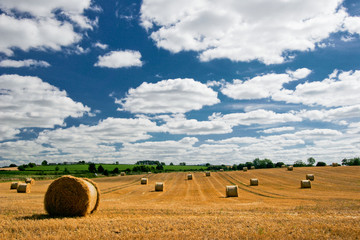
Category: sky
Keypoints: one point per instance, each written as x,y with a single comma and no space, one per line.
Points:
206,81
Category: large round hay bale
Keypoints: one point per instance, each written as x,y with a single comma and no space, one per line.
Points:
30,180
189,176
207,174
72,196
305,184
232,191
221,170
24,188
245,169
252,167
14,185
310,177
335,164
144,181
159,186
290,168
122,174
254,182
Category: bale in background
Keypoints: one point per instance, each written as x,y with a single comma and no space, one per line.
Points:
221,170
305,184
335,164
144,181
24,188
30,180
122,174
232,191
14,185
245,169
159,186
189,176
283,166
252,167
254,182
72,196
290,168
207,174
310,177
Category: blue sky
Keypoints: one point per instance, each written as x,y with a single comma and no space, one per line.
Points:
202,81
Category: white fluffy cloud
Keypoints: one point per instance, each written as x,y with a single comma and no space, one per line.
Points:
120,59
340,89
35,24
23,63
263,86
29,102
277,130
244,30
168,96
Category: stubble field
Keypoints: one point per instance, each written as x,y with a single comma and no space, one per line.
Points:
198,209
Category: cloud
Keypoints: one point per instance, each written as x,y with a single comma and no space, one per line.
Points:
340,89
101,45
262,86
42,24
29,102
277,130
23,63
244,30
120,59
168,96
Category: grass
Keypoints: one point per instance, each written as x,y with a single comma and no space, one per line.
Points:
276,209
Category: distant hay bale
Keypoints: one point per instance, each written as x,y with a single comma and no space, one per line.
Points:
159,186
122,174
72,196
189,176
30,180
290,168
283,166
221,170
144,181
305,184
254,182
252,167
245,169
207,174
14,185
149,172
24,188
335,164
232,191
310,177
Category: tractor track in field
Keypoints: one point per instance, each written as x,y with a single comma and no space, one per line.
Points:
232,180
122,186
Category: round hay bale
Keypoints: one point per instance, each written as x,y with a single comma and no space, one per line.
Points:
290,168
14,185
305,184
335,164
159,186
207,174
245,169
254,182
122,174
283,166
72,196
30,180
232,191
252,167
310,177
189,176
144,181
149,172
221,170
24,188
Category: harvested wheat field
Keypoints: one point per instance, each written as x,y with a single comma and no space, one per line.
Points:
276,209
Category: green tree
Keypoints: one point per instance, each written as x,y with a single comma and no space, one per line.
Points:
115,171
31,165
159,167
21,168
106,173
171,164
57,169
311,161
100,169
299,163
92,168
320,164
44,163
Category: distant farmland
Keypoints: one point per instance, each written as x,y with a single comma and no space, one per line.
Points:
191,209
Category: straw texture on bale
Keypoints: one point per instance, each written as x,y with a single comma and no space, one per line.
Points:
122,174
221,170
290,168
72,196
189,176
305,184
310,177
245,169
232,191
24,188
335,164
252,167
159,186
207,174
14,185
254,182
144,181
30,180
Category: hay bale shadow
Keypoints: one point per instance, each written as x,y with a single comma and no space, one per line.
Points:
41,217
